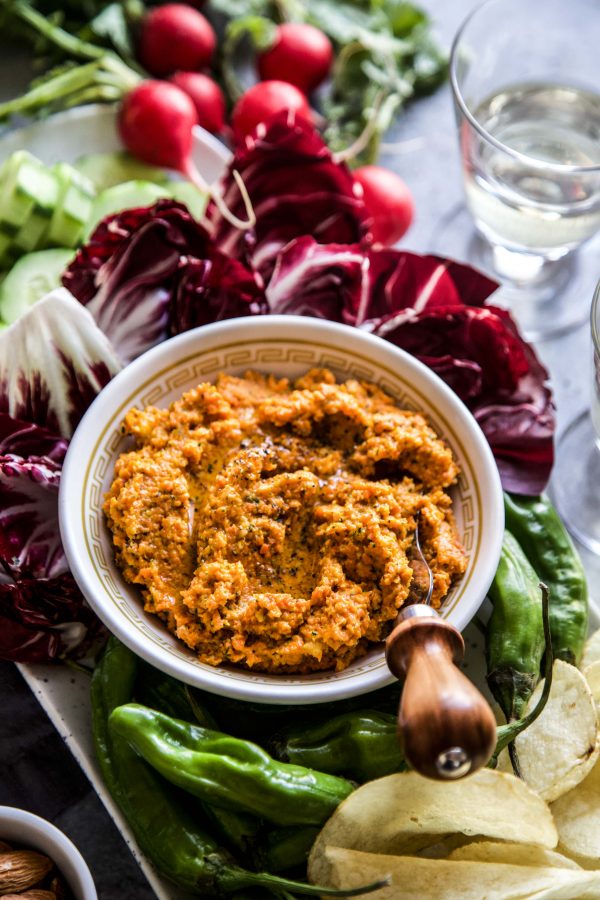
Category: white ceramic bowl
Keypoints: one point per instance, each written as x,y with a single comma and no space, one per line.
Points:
285,346
35,833
76,132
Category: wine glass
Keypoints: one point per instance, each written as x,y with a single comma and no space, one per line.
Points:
524,75
576,478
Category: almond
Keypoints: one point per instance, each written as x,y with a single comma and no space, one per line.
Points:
21,869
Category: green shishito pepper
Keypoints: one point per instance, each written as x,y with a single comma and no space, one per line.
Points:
159,691
515,632
272,851
227,771
362,745
171,697
546,543
174,842
506,734
285,848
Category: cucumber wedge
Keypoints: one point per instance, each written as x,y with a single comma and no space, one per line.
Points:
33,233
40,206
16,199
32,277
28,197
105,170
73,208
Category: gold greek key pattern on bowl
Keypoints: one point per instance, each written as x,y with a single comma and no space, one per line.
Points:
278,358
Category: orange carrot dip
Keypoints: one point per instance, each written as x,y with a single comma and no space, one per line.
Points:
271,524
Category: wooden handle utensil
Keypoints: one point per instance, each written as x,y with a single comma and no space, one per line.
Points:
445,725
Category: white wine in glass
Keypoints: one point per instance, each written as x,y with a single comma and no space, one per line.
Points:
525,76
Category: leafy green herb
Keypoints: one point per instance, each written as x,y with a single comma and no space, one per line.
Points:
384,56
259,31
113,25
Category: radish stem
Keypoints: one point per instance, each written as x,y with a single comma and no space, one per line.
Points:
196,178
58,36
105,79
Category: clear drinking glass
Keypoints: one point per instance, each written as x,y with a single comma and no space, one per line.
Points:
576,476
525,75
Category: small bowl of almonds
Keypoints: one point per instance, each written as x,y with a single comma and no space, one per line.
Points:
38,862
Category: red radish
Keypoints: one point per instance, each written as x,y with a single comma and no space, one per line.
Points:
155,123
207,97
175,36
389,202
263,100
301,55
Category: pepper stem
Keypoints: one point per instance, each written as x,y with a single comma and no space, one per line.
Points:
240,878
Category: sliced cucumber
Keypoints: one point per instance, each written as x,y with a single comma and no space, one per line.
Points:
73,208
188,193
32,234
105,170
32,277
16,202
27,188
40,207
128,195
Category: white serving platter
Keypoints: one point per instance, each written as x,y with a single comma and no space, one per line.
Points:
63,692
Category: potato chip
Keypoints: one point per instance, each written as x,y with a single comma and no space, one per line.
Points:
581,861
405,812
592,676
577,817
442,848
558,750
441,879
513,854
591,651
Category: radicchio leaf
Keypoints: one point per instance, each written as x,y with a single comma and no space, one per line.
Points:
29,533
126,271
436,310
213,289
311,279
403,285
295,188
26,439
506,388
152,271
369,288
44,619
53,362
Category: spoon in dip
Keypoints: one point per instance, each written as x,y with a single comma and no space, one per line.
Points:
446,727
